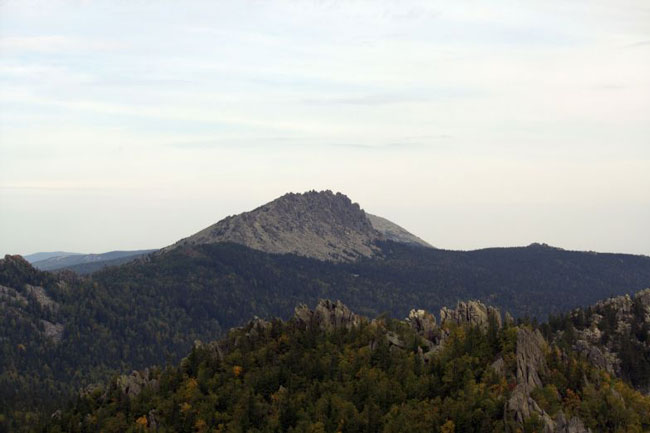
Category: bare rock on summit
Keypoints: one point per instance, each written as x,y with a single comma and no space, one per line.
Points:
321,225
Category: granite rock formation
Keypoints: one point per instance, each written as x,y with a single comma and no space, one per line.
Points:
473,313
327,316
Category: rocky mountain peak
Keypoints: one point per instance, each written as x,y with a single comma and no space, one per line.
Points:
320,224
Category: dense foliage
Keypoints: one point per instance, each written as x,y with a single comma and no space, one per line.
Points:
149,312
284,378
622,332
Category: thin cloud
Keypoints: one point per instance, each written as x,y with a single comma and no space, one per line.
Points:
391,99
637,44
53,44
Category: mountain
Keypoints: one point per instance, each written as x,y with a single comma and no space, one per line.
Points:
393,232
86,262
329,369
320,225
36,257
61,331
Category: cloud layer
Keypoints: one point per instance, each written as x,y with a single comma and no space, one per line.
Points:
132,124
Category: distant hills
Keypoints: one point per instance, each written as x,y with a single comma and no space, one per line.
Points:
82,263
37,257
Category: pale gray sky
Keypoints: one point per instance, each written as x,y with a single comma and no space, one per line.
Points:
131,124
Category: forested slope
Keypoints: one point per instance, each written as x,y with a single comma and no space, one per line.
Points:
329,370
63,331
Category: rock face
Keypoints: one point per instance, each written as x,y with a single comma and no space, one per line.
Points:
134,383
531,364
54,331
41,297
531,357
12,300
327,315
424,323
472,313
320,225
606,323
7,294
393,232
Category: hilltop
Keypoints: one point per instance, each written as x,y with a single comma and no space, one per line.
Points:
321,225
331,370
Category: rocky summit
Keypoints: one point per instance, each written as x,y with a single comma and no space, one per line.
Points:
321,225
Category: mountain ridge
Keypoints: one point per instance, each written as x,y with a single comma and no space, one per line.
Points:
150,311
94,261
317,224
330,369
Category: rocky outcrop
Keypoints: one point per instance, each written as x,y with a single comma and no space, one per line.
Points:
53,331
600,357
573,425
471,313
531,362
17,303
601,327
134,383
41,297
424,323
7,294
531,357
256,327
531,365
327,316
321,225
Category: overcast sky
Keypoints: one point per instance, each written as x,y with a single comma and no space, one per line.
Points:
129,124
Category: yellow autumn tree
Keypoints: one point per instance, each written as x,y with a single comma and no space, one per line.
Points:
142,422
448,427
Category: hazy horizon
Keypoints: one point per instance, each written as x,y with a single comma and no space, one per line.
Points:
130,125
